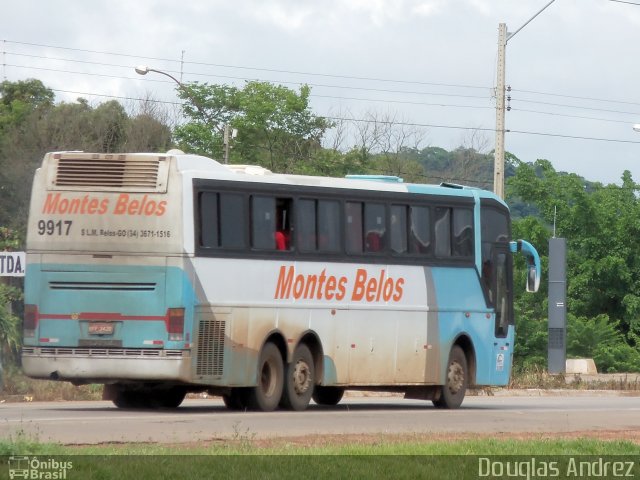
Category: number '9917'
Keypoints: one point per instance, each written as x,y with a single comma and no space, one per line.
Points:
51,227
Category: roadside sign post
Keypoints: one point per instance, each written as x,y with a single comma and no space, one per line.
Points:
557,349
12,264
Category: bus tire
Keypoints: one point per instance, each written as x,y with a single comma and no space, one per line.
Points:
128,398
168,398
456,381
236,399
329,396
299,380
266,395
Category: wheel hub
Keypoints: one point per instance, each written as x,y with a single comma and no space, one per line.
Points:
455,378
301,377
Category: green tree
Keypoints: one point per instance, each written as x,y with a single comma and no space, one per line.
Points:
602,227
41,127
276,128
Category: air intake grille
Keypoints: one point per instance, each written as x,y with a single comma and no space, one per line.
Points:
144,173
210,360
112,286
103,352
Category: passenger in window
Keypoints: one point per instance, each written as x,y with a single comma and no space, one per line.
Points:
373,242
282,240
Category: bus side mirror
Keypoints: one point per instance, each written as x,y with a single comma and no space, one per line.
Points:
533,263
533,282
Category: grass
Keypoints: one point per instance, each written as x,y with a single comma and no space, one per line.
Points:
19,387
539,378
242,458
29,444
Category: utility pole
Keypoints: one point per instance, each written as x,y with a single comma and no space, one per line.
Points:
498,167
503,38
226,143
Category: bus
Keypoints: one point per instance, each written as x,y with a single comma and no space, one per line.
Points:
163,274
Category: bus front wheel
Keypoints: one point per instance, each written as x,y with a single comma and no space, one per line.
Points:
453,391
299,380
266,395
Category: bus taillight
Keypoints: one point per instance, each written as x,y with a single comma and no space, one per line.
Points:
30,320
175,325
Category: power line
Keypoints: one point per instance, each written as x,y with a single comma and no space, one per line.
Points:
403,102
406,124
273,70
137,99
385,122
576,137
624,1
345,87
626,122
406,102
594,99
241,67
574,106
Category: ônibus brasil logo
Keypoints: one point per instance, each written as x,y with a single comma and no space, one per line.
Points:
36,468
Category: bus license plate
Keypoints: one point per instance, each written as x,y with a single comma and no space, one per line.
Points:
100,328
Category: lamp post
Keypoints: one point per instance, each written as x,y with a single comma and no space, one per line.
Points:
143,70
503,38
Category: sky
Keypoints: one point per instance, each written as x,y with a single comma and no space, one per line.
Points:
574,70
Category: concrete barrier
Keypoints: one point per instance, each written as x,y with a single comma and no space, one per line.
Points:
585,366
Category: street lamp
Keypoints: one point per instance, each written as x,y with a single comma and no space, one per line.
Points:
636,127
143,70
503,38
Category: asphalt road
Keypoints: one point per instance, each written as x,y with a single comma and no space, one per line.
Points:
208,419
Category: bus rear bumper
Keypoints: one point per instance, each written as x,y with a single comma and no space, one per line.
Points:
106,365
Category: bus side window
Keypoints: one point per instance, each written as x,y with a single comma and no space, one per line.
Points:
328,229
283,224
443,232
494,234
398,229
208,203
270,223
375,227
353,220
503,301
420,230
306,225
463,238
318,225
263,222
231,214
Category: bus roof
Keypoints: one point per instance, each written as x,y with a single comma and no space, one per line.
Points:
203,167
198,166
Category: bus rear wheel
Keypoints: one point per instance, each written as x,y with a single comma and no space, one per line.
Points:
266,395
453,391
127,399
299,380
329,396
236,399
167,398
148,397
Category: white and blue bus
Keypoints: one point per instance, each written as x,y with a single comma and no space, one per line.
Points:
162,274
